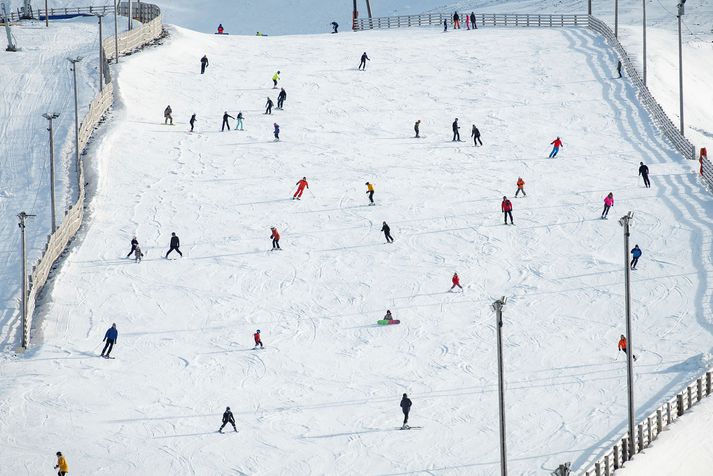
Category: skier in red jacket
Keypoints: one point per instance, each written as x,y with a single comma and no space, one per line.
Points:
258,341
300,188
275,235
556,144
456,281
506,207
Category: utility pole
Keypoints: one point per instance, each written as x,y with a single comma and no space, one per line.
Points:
368,8
130,27
624,222
22,217
498,308
50,116
355,15
643,4
116,31
680,64
47,16
616,18
101,53
76,113
589,7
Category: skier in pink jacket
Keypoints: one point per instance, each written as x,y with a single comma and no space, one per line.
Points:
608,203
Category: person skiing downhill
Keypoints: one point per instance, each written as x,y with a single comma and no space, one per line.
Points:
456,282
405,408
192,122
225,121
618,68
335,26
268,106
275,79
520,187
276,131
362,63
175,244
635,255
110,337
644,172
62,467
134,244
456,134
608,203
167,115
475,134
281,98
301,185
239,122
472,21
228,418
258,340
138,254
557,143
506,207
387,233
416,128
622,345
204,63
275,236
370,192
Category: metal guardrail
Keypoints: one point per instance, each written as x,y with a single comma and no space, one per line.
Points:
482,19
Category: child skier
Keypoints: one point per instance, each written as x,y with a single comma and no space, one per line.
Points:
275,236
370,192
506,207
276,131
635,255
608,203
228,418
301,185
456,282
520,187
239,122
556,144
258,341
138,254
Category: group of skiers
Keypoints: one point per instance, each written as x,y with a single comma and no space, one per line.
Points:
469,21
474,132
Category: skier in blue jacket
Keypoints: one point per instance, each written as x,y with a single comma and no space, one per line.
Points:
110,337
635,254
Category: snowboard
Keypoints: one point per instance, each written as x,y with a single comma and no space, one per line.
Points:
385,322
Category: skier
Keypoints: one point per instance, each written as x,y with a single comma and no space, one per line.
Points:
62,467
456,134
406,408
445,25
134,244
456,282
300,188
204,63
192,121
239,122
467,22
520,187
644,172
557,143
472,20
175,244
225,121
618,68
364,59
370,192
110,338
275,236
258,340
275,79
506,207
608,203
416,127
387,233
220,29
622,346
138,254
276,131
388,316
635,255
335,25
167,115
268,106
228,418
456,21
475,134
281,98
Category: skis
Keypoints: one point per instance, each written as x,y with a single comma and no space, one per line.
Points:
406,427
107,357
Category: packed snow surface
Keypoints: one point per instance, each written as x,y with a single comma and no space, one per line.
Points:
323,396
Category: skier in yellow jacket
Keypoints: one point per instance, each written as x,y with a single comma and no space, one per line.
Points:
61,465
370,192
275,79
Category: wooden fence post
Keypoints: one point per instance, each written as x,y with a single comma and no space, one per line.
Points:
679,404
640,446
709,376
625,450
689,394
598,468
659,421
606,465
699,389
648,430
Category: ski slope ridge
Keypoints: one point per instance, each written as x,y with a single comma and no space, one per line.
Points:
322,398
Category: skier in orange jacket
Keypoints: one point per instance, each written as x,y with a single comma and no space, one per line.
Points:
622,345
300,188
275,238
520,187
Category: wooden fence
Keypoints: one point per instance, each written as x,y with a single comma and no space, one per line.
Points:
482,19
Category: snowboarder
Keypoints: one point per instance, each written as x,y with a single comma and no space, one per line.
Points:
175,244
406,408
258,340
239,122
644,172
445,25
416,127
388,316
622,346
110,338
300,188
138,254
62,467
276,131
364,59
220,29
134,244
387,233
472,20
608,203
335,25
520,187
456,21
456,282
204,63
370,192
225,121
456,134
275,79
281,98
557,143
635,255
506,207
268,106
618,68
228,418
275,236
192,121
475,134
167,115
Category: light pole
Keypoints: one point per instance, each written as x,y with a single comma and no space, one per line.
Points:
498,308
116,31
589,7
101,53
616,18
76,113
22,217
50,116
47,15
643,4
680,64
130,27
624,222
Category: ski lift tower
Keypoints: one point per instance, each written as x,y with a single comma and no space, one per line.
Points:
11,46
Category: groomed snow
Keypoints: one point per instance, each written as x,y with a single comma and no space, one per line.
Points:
322,398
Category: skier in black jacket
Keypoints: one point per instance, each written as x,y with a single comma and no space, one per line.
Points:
268,106
364,59
228,418
456,134
281,98
406,408
387,233
475,134
175,244
644,172
134,244
204,63
192,122
225,121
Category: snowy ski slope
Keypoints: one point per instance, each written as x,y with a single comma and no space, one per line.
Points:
322,398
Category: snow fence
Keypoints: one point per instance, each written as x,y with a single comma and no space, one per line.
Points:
57,242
